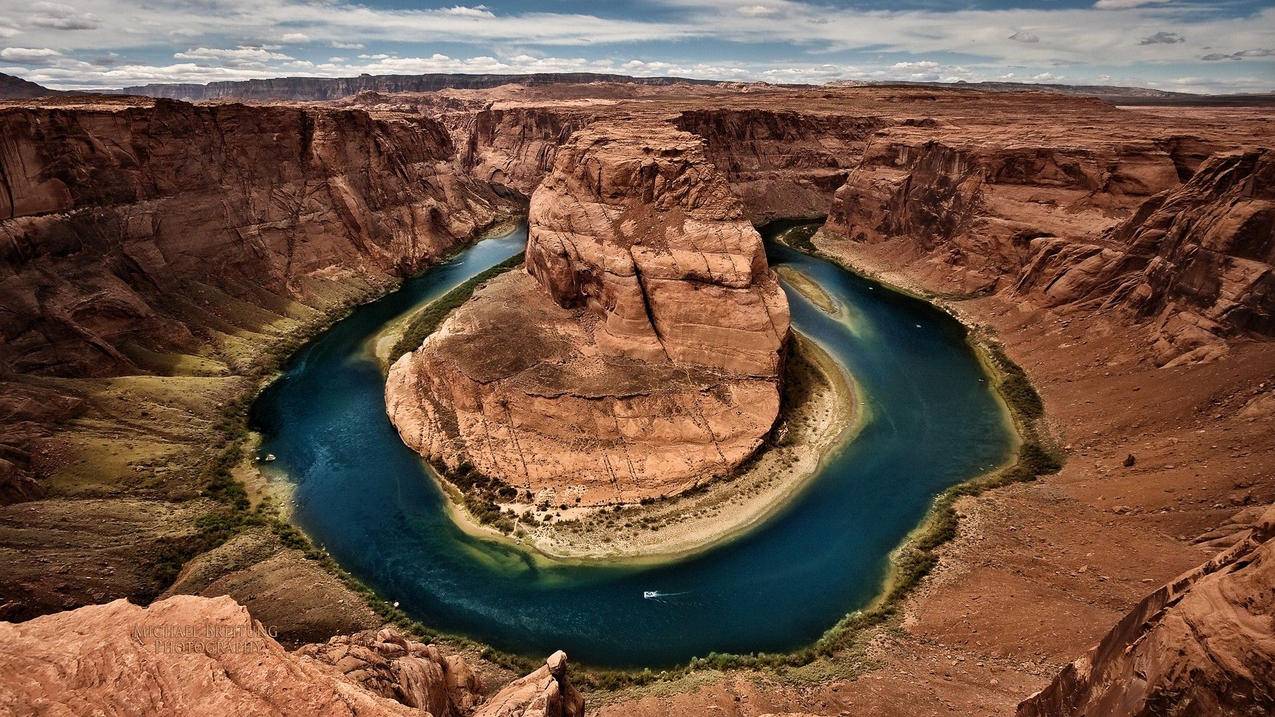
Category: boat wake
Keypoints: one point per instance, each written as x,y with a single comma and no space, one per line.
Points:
658,596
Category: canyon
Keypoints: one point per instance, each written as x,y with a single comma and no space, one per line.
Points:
160,258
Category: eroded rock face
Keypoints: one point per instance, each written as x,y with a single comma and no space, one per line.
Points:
782,164
1202,644
637,355
119,658
1198,258
972,208
638,227
388,664
134,231
547,692
27,412
1039,223
189,655
514,147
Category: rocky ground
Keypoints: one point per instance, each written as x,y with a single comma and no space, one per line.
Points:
1123,257
189,655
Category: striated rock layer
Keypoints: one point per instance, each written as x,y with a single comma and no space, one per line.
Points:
1197,258
134,231
141,240
387,664
181,656
783,164
638,354
207,656
1034,221
1203,644
636,226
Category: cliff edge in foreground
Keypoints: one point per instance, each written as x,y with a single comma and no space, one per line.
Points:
1202,644
206,656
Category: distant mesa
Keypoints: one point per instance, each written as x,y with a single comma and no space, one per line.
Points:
16,88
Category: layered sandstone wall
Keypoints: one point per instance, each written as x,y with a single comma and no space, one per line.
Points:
143,241
974,206
639,352
1197,258
636,225
514,147
1081,228
113,220
782,164
1202,644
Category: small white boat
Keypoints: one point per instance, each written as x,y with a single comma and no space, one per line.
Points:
269,457
650,594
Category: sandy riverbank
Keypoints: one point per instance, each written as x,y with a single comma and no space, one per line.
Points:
808,288
821,412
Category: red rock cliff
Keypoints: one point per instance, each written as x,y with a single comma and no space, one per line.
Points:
1201,645
1041,223
1197,258
642,358
207,656
114,220
782,164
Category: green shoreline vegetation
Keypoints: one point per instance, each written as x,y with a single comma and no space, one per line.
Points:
431,316
910,562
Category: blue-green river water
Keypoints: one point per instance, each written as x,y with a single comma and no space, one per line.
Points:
933,421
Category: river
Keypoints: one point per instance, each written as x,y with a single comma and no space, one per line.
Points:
933,420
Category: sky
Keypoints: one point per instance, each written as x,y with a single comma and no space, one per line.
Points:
1181,45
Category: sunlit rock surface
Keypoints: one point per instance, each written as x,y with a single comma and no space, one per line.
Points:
639,351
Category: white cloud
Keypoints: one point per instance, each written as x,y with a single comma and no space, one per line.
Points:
462,11
922,65
294,38
757,10
1025,36
56,16
239,56
255,54
130,23
1126,4
348,45
29,55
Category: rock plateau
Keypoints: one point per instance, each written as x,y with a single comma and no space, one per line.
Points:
650,334
1202,644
